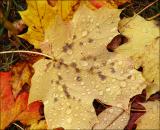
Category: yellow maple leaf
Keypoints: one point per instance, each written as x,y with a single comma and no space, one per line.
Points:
83,69
39,14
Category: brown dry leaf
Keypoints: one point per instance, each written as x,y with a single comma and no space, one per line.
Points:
150,120
83,69
21,75
112,118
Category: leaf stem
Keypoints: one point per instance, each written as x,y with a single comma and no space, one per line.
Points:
29,52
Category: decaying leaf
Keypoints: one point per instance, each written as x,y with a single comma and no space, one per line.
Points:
112,118
83,70
13,109
21,75
150,120
143,47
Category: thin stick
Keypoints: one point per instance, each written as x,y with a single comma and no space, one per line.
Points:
18,126
140,12
147,7
30,52
153,17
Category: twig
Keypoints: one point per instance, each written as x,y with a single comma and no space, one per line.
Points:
151,18
18,126
140,12
30,52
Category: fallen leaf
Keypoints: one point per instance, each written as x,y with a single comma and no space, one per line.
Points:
12,108
6,92
21,75
150,120
112,118
143,47
83,69
39,14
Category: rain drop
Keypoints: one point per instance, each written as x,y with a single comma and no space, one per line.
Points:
84,33
69,120
100,93
108,89
68,111
69,52
123,84
84,63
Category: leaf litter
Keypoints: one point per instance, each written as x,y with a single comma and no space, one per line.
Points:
78,78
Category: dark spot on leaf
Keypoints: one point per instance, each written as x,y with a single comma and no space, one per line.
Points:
81,43
52,81
129,77
65,91
60,77
78,78
90,40
73,64
55,99
67,47
74,37
113,70
101,76
77,70
57,82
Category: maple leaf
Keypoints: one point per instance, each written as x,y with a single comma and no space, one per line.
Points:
150,120
142,46
39,14
83,70
16,108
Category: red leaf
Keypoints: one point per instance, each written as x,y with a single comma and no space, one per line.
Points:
16,109
6,96
98,4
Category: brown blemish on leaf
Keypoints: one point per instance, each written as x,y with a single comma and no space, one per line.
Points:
67,47
78,78
65,91
90,40
101,76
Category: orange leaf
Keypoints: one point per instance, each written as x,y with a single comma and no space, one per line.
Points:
16,109
31,114
6,96
98,4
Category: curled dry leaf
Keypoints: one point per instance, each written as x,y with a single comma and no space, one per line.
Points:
112,118
83,69
21,75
